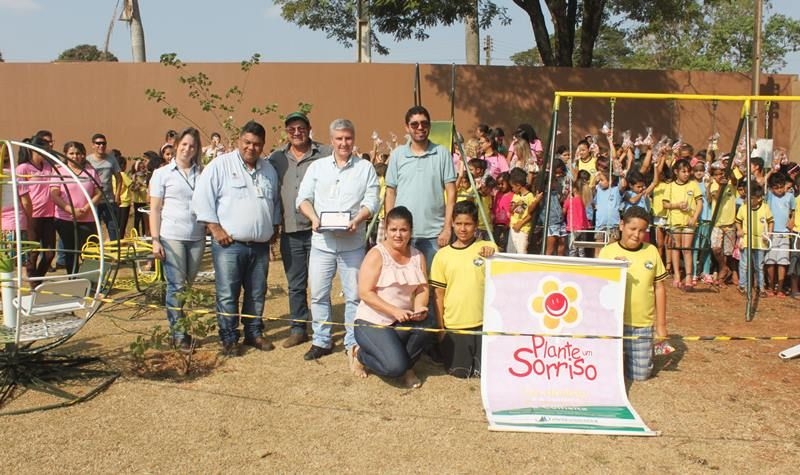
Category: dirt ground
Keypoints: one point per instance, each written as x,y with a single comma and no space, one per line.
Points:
724,406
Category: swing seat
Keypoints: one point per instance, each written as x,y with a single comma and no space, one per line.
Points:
794,240
53,309
594,244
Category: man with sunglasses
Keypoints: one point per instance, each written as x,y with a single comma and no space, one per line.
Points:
419,175
291,162
106,166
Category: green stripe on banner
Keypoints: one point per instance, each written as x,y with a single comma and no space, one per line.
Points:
610,412
591,427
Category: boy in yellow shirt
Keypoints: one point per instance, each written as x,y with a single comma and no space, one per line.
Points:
457,277
722,195
645,293
761,219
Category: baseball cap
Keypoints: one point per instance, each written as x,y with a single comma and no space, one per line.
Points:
297,116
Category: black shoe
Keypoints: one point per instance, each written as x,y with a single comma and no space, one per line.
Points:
230,349
316,352
183,344
260,343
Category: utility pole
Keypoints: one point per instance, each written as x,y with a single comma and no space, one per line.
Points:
756,69
488,45
363,39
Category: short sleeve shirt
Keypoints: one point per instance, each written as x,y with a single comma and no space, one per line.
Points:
419,181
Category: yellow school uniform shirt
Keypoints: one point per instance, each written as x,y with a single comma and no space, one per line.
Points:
727,200
679,192
125,197
589,165
660,192
797,214
761,218
519,206
645,268
455,271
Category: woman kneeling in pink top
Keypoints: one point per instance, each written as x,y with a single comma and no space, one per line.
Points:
393,289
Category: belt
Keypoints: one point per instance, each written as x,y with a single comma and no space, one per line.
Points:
250,243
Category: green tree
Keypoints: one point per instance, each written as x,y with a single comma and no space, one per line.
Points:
402,20
716,35
86,53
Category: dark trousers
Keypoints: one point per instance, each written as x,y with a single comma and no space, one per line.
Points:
295,252
74,236
387,351
124,214
108,215
462,353
43,231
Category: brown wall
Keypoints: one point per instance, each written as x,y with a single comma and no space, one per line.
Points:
74,100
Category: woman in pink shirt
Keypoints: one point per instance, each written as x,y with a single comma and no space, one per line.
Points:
36,171
74,220
496,162
9,222
393,289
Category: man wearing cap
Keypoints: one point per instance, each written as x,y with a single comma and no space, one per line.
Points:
291,163
106,166
238,199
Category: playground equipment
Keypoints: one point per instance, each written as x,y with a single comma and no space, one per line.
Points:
742,131
41,313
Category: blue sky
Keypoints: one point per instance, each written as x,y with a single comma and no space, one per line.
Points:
38,30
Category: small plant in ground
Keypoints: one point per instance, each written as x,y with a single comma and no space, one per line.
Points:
197,323
223,105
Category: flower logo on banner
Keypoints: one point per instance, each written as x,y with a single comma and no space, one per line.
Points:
556,303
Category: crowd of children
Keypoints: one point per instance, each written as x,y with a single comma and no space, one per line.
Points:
694,200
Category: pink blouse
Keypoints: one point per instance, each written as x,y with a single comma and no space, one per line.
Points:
575,212
71,193
396,285
496,164
39,192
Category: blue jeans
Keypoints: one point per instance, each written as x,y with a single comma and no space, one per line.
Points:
181,263
758,267
389,352
108,214
236,267
295,252
702,238
325,264
428,247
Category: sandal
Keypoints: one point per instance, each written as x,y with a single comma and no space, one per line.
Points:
356,367
707,279
763,294
677,284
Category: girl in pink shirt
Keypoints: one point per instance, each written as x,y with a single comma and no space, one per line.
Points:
74,220
575,212
495,161
36,171
501,211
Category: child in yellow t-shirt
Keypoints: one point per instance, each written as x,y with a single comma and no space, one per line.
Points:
683,203
457,277
722,194
522,205
645,293
761,220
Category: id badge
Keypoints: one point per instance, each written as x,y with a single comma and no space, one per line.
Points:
259,192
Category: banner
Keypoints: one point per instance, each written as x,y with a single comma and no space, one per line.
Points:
533,380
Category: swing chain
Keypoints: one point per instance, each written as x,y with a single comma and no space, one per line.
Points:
767,113
569,129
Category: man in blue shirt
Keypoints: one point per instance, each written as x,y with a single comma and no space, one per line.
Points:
419,175
238,198
345,187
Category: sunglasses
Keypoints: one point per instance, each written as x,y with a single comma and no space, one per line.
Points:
100,143
423,124
296,130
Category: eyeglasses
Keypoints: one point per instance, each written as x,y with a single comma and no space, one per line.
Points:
422,124
100,144
296,130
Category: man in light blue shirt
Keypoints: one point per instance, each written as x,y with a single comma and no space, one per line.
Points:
238,199
345,185
419,175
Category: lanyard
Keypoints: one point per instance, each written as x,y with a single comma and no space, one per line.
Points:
194,177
